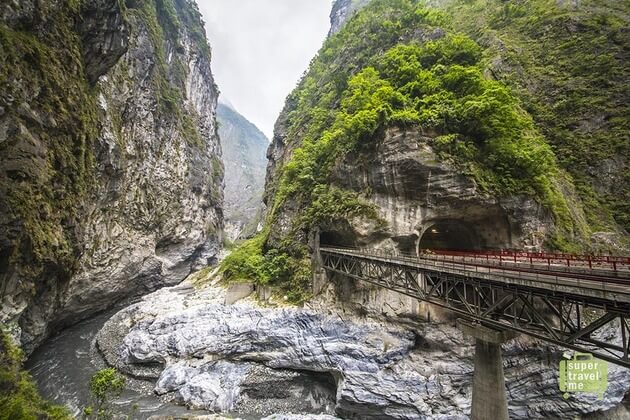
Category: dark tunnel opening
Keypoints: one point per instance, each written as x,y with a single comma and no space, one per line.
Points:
449,235
337,239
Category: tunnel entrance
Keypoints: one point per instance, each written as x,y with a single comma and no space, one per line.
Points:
452,235
337,239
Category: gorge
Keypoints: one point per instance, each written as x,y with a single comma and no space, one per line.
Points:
451,124
244,154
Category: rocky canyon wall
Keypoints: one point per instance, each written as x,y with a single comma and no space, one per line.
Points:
110,164
544,79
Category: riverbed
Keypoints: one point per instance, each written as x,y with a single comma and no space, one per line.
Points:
63,365
250,361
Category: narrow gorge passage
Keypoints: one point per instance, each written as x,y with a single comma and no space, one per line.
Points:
314,209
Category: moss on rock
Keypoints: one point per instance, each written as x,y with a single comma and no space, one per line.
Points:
53,110
567,62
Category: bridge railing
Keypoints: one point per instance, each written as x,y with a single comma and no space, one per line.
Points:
592,261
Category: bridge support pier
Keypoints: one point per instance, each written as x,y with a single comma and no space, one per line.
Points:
320,278
489,398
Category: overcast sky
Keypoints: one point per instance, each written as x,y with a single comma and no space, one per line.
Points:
260,48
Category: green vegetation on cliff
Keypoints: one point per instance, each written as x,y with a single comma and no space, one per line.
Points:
400,63
164,20
55,111
50,121
567,62
19,399
439,86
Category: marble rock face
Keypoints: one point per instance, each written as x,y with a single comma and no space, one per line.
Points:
208,355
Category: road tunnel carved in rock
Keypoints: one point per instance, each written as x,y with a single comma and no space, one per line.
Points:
339,238
451,235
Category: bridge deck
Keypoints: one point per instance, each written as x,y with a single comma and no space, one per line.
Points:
600,284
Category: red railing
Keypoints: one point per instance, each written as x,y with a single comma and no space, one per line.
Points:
592,261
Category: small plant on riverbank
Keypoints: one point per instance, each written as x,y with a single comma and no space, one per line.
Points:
104,385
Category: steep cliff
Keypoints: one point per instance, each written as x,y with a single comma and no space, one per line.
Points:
415,120
244,155
566,61
111,173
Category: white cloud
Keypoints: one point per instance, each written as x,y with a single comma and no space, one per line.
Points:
261,48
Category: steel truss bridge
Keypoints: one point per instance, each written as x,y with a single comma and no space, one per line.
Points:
579,303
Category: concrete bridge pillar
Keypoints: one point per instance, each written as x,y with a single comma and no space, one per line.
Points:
320,279
489,398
